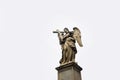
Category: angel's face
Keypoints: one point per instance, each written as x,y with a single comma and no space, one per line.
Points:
66,30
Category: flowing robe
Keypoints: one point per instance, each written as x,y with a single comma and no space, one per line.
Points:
68,47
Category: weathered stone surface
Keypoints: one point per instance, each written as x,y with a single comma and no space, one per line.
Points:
67,40
70,71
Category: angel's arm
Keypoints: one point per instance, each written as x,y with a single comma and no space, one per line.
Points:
60,36
66,35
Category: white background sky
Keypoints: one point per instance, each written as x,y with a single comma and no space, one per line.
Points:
30,51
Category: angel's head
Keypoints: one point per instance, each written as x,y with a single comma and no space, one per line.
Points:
66,30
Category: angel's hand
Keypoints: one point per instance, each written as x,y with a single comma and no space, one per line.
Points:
57,30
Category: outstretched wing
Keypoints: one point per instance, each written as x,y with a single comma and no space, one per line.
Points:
77,36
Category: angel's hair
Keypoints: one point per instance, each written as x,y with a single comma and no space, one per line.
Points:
66,29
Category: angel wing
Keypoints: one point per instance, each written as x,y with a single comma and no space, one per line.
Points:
77,36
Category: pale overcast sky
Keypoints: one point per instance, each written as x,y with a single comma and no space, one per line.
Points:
30,51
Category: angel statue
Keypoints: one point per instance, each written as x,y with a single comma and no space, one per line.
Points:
67,41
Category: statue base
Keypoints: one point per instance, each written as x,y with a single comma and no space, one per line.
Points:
69,71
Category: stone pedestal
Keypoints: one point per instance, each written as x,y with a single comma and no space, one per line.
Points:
70,71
